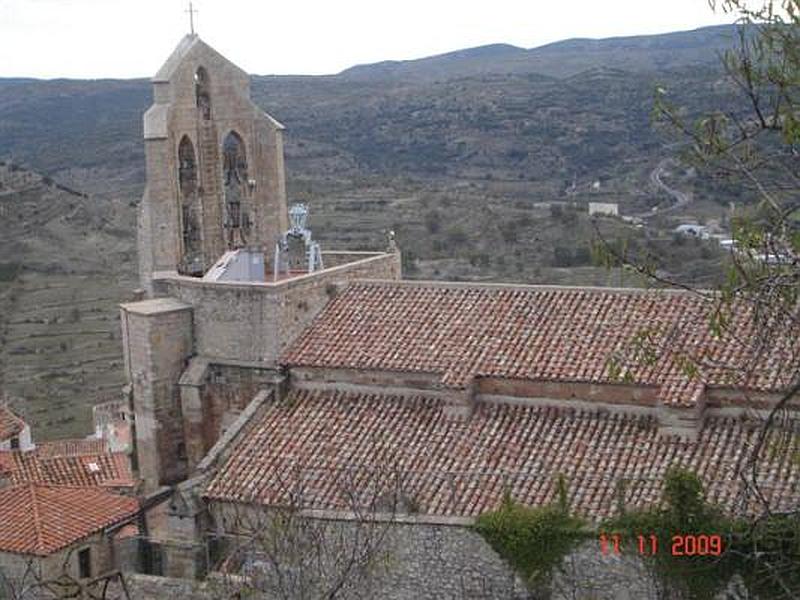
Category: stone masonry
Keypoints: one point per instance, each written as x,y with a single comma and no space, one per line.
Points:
237,385
201,97
197,350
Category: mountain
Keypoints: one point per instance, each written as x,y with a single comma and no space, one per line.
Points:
460,63
482,160
562,59
414,115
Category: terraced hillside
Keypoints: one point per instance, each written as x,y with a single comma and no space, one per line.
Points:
67,261
483,162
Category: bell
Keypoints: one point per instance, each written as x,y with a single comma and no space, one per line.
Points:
298,216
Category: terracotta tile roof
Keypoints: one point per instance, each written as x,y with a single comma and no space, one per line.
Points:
128,531
535,333
46,465
324,445
71,447
10,424
38,519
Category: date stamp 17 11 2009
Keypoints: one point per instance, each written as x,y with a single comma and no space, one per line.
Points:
679,545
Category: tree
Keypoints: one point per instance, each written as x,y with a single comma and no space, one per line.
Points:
26,582
291,552
754,145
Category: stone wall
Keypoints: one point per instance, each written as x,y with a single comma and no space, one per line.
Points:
588,573
255,322
585,575
408,558
21,569
149,587
212,396
176,113
337,258
16,570
425,560
442,561
157,342
367,380
626,394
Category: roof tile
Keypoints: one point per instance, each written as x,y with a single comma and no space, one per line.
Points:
537,333
10,424
325,446
39,519
67,463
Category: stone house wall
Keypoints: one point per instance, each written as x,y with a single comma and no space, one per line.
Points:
214,398
102,554
24,440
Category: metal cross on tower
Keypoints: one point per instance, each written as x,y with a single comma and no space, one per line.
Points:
191,12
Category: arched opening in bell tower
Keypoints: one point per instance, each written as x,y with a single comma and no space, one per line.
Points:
192,260
235,182
203,92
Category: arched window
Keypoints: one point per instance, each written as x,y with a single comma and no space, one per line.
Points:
187,167
234,169
190,209
202,90
235,158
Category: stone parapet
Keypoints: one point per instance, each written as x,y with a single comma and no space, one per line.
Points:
256,321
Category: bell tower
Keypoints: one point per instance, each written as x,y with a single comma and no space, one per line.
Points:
214,162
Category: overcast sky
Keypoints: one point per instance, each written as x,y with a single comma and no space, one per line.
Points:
111,38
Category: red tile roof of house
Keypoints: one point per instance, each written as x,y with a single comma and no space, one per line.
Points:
323,446
55,464
38,519
71,447
537,333
10,424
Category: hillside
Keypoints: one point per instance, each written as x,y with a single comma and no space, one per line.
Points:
566,58
482,160
67,261
441,104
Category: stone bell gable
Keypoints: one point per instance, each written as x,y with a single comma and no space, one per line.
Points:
214,160
222,299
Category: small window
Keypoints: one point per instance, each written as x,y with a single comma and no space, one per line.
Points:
15,443
202,92
85,563
153,559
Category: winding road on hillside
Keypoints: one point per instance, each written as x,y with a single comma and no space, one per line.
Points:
681,198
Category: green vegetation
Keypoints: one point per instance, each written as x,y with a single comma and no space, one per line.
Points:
57,314
462,156
9,271
370,147
684,513
698,548
533,540
699,570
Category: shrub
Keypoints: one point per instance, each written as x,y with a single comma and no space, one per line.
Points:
456,236
562,256
533,540
433,221
684,512
8,271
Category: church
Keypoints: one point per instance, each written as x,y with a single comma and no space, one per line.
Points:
305,417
